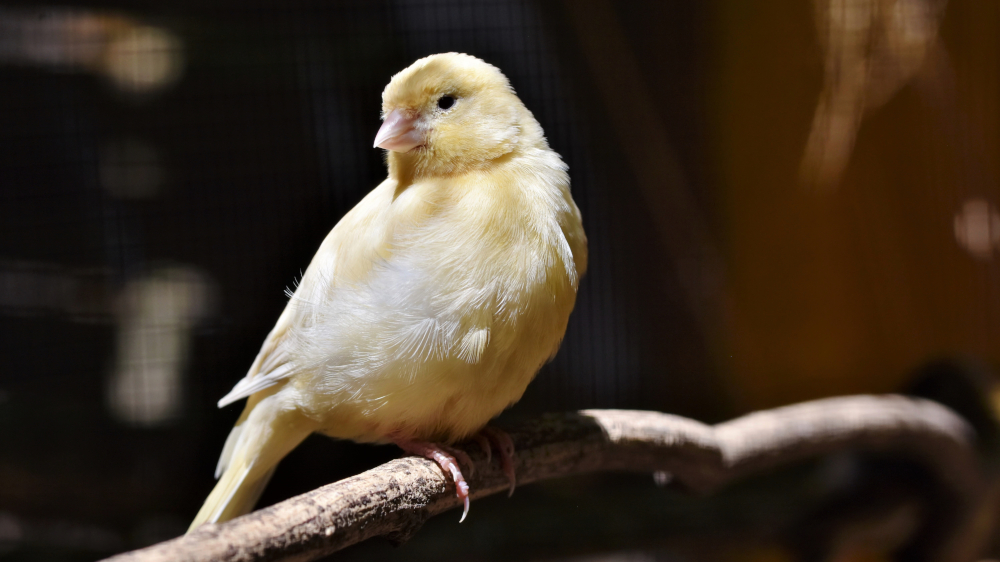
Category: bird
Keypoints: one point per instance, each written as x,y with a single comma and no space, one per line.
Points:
432,304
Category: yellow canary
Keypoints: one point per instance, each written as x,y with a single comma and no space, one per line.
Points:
432,304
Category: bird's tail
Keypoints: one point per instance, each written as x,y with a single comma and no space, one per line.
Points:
264,434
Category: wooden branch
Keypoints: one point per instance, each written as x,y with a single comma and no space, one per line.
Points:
394,499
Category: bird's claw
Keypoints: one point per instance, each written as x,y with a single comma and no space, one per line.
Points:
461,457
502,442
445,458
484,444
450,459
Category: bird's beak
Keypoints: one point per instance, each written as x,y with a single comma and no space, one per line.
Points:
398,132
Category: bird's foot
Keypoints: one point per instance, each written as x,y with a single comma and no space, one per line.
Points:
445,458
492,438
462,457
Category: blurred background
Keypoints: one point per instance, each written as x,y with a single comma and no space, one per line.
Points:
785,200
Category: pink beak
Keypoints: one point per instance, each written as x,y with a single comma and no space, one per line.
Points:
398,132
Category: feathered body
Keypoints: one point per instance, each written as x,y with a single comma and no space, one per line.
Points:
432,304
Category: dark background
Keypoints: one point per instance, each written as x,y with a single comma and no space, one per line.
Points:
167,170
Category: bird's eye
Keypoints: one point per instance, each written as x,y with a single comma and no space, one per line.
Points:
444,102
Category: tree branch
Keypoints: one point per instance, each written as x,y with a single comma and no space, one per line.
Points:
394,499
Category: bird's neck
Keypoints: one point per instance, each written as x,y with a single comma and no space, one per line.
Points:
404,168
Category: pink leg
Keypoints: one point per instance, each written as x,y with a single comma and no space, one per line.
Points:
447,463
502,443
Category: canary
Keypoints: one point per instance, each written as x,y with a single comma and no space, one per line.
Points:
433,303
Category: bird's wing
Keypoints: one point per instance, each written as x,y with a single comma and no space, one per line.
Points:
271,365
275,363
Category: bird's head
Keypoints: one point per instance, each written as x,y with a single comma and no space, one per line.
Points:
450,113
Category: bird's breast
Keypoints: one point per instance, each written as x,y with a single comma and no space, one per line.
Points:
472,297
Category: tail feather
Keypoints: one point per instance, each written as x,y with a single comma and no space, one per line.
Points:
262,437
228,449
232,496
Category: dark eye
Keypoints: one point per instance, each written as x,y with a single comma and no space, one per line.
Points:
444,102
